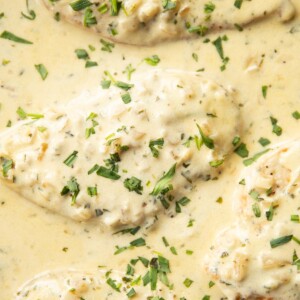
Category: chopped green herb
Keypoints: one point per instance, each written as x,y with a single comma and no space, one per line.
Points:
211,284
92,191
31,13
90,64
155,145
270,213
42,71
112,283
2,15
126,98
115,7
206,297
107,46
256,210
254,158
69,161
131,293
152,60
134,184
7,164
105,84
89,19
208,142
129,70
295,218
107,173
23,115
264,142
280,241
103,8
10,36
242,150
138,242
238,3
80,4
189,252
173,250
188,282
72,188
195,57
82,54
132,230
216,163
166,243
276,129
209,7
296,240
182,202
296,115
93,169
264,90
164,181
123,85
200,30
218,44
236,140
168,4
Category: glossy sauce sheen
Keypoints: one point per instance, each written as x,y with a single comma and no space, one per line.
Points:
34,240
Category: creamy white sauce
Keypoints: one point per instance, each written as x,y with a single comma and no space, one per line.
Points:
34,240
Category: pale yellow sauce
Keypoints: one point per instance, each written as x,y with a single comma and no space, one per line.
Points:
33,239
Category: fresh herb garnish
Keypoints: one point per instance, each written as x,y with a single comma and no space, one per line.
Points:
238,3
31,13
112,283
181,202
152,60
207,141
7,164
276,129
140,242
281,241
69,161
209,7
89,19
242,150
107,46
72,188
92,191
80,4
107,173
264,142
164,181
82,54
168,4
126,98
42,70
155,146
264,90
188,282
132,230
296,115
254,158
134,184
14,38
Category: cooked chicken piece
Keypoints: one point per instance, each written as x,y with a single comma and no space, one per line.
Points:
146,22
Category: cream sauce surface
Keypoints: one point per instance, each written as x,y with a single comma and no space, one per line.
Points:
35,240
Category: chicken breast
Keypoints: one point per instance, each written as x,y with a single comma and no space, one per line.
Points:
257,257
146,22
126,153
